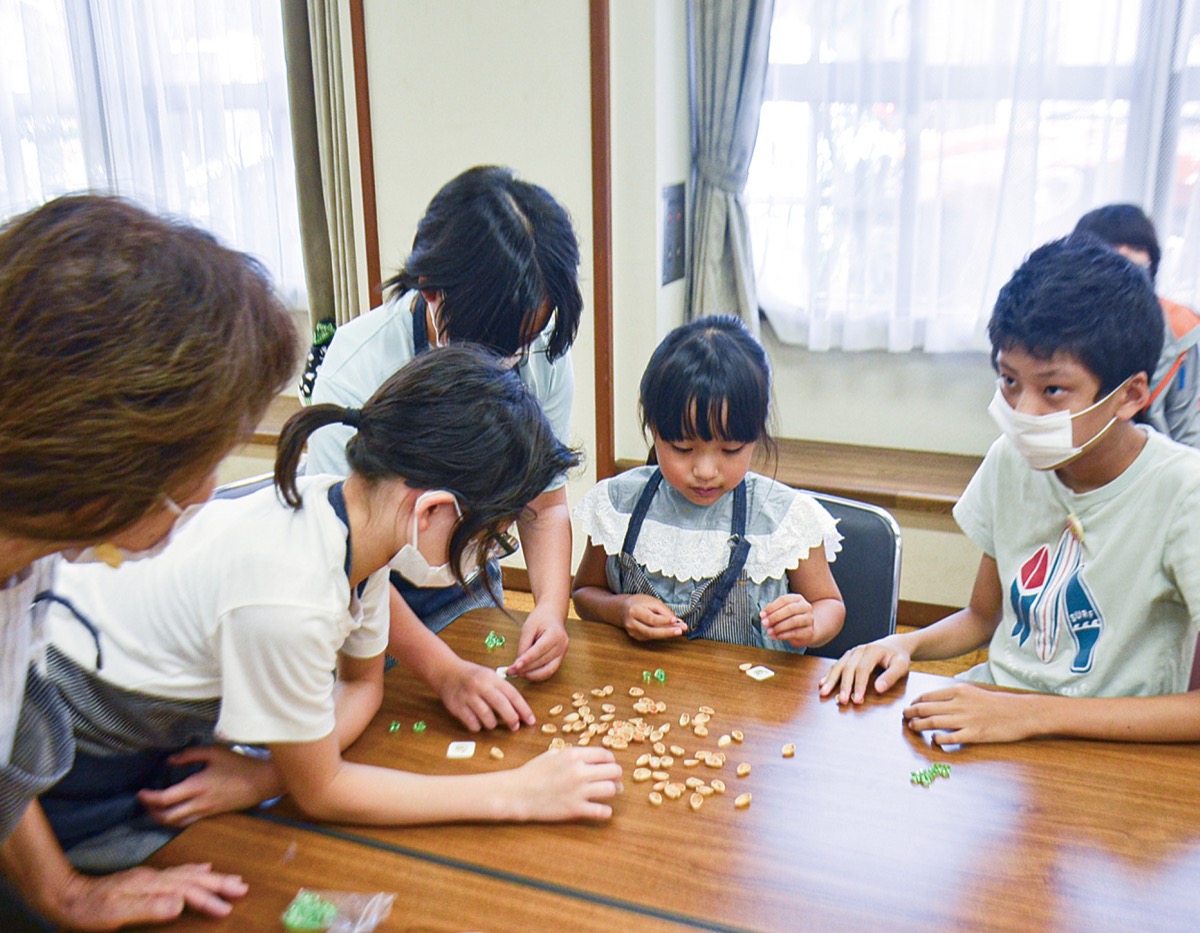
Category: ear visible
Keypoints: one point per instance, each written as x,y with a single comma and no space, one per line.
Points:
437,505
1135,396
432,296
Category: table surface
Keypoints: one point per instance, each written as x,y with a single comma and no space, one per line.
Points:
1049,834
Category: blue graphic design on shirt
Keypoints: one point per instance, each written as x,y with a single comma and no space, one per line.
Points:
1049,590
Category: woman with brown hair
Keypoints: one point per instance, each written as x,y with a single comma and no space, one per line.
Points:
135,353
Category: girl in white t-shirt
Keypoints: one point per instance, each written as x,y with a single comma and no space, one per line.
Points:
697,544
231,636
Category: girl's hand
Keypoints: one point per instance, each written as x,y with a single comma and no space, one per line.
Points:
851,673
646,618
966,714
567,784
145,895
228,782
790,618
481,699
542,645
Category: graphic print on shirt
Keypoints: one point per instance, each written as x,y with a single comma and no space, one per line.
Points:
1048,592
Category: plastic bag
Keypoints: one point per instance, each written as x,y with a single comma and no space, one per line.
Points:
337,911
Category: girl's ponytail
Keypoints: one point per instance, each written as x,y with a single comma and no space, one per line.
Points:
295,435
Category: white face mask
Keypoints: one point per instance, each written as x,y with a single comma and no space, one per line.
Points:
114,555
1045,441
411,564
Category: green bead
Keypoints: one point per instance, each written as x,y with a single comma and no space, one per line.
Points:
395,726
646,676
309,911
419,725
660,675
493,640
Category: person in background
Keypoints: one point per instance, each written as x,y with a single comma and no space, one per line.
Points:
1175,382
494,262
135,353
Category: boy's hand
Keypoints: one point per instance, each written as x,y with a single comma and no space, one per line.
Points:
965,714
480,699
851,673
542,645
567,784
789,618
646,618
227,782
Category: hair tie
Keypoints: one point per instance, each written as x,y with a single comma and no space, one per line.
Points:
352,417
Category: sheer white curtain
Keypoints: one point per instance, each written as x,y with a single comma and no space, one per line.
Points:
911,152
180,105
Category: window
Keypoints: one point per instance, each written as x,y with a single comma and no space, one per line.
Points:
911,152
180,105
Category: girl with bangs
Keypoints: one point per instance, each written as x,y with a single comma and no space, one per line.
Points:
716,551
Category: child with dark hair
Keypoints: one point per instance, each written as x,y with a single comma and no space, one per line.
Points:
232,637
494,262
697,544
1174,405
1088,591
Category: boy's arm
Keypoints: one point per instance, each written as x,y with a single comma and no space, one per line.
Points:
34,863
965,630
566,784
966,714
546,539
643,617
476,695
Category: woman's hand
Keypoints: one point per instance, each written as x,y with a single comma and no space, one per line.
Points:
851,673
227,782
145,895
481,699
646,618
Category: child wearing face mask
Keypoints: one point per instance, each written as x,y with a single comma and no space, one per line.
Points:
1088,591
232,636
696,544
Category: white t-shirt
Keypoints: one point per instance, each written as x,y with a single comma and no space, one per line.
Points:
368,350
1113,615
21,642
250,604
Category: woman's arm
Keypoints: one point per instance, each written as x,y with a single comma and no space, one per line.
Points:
33,861
546,540
643,617
567,784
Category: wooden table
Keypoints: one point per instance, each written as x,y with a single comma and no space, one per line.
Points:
1054,834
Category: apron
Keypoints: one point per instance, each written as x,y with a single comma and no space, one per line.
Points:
438,606
43,750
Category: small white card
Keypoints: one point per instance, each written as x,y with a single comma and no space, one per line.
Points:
760,673
461,750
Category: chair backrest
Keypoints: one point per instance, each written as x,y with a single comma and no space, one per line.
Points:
243,487
867,571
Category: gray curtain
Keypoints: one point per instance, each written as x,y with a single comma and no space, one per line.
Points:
320,138
729,44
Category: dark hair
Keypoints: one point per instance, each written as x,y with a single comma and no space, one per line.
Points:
1123,225
1077,296
135,352
709,379
497,248
454,418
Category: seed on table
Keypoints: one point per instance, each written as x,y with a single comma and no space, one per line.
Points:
743,769
571,717
608,708
636,691
659,748
608,689
659,785
660,706
701,731
496,753
789,750
641,774
707,710
577,695
579,702
585,711
656,798
742,801
717,785
701,719
678,751
745,666
705,790
693,782
597,692
684,719
724,741
715,761
643,760
584,739
673,791
661,775
696,801
666,761
556,709
607,717
691,762
558,742
736,735
656,736
549,728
